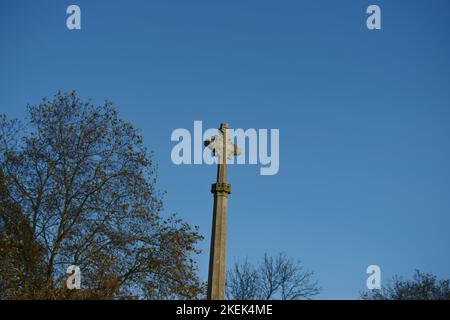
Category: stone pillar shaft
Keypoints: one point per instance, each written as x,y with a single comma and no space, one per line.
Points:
217,259
221,189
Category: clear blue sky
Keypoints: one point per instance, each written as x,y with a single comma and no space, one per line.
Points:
364,116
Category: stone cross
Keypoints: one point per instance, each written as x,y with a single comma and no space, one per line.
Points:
224,149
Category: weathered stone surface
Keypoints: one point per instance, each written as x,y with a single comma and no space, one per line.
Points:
221,190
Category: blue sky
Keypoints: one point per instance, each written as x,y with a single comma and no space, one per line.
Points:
364,116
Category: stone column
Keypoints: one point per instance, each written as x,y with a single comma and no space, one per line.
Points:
224,149
217,259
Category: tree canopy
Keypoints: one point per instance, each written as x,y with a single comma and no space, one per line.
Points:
422,286
278,277
78,187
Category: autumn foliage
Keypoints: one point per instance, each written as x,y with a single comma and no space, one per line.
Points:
78,187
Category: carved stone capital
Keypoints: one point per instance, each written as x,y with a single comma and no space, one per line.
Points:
221,188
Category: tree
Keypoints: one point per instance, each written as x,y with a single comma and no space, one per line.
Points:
22,257
423,286
277,277
243,282
79,188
